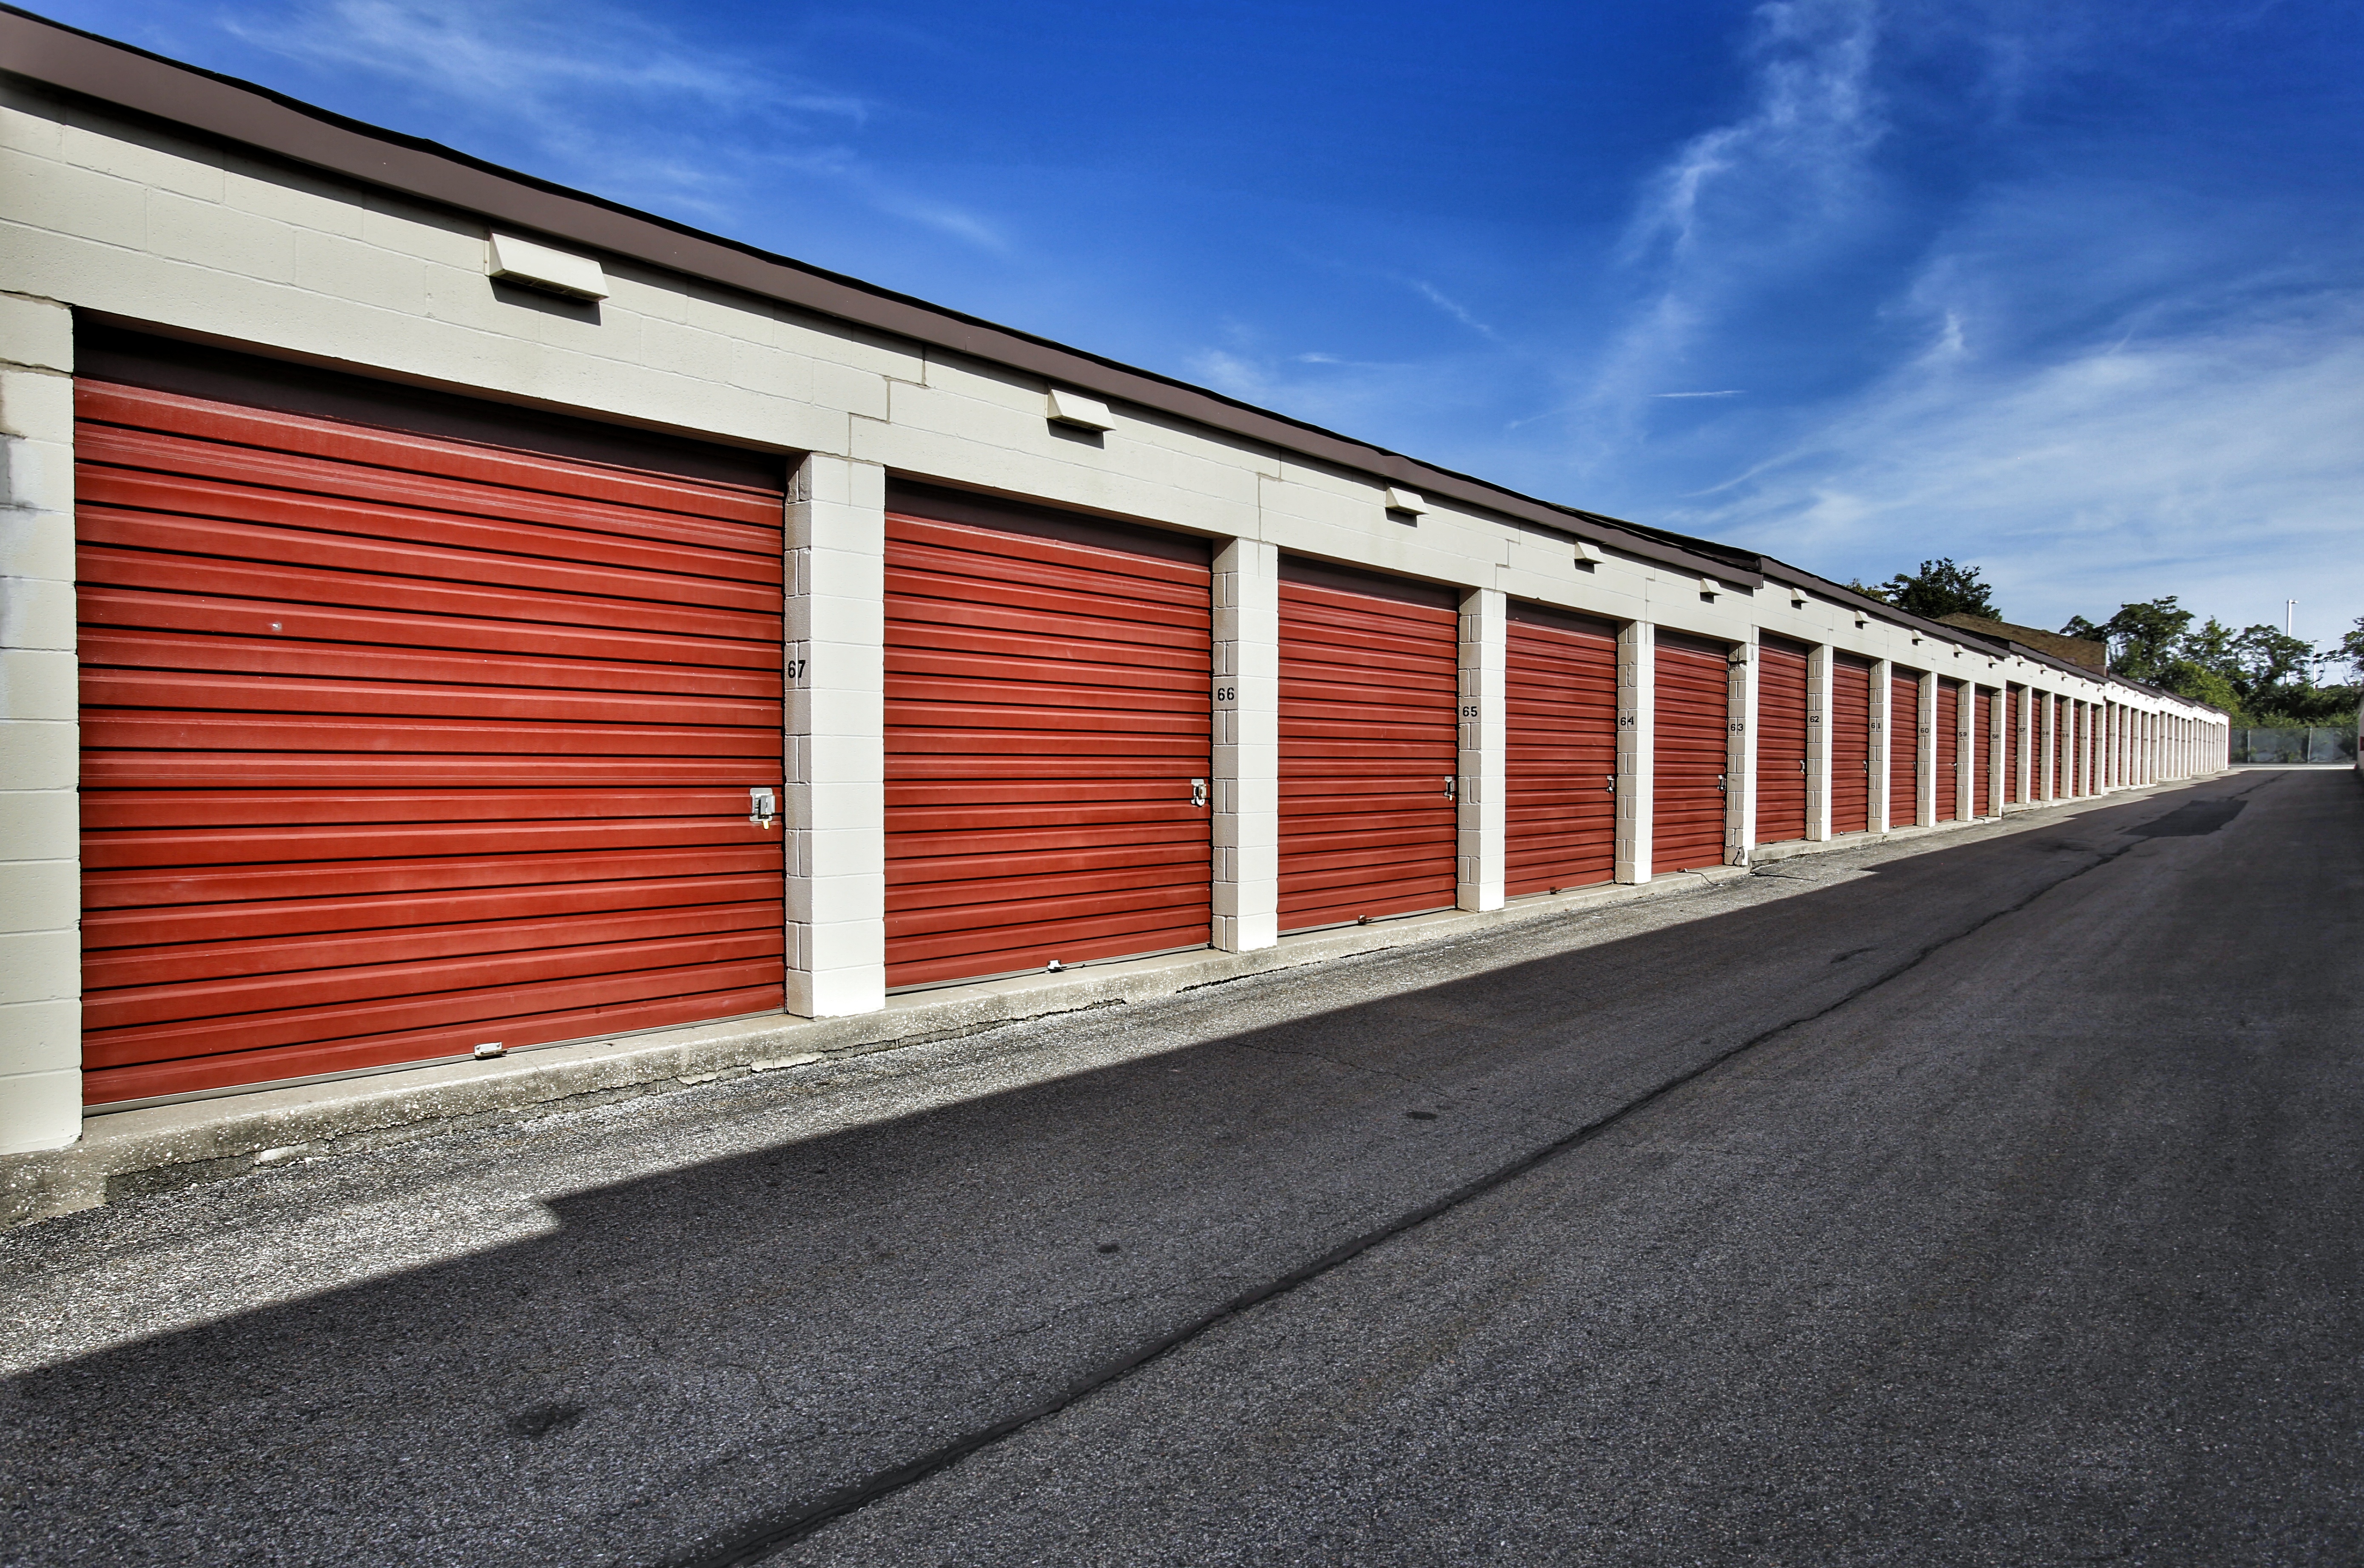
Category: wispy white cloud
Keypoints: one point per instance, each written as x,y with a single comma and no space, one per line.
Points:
1744,205
613,99
1727,392
1452,307
2218,462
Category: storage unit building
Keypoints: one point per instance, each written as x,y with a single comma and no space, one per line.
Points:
636,631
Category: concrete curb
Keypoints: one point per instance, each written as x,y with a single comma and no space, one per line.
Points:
163,1148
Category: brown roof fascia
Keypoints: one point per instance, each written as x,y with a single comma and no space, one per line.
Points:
133,79
1881,609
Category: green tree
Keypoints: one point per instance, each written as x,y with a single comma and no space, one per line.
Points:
2348,651
1940,588
2271,660
2144,639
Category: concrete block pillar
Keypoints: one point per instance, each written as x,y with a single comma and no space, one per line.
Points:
1998,727
40,735
1966,752
2093,748
1924,789
1882,674
1818,743
1247,746
1637,696
2024,788
1740,753
836,807
1485,668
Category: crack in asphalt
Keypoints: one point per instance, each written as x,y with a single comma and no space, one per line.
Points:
767,1536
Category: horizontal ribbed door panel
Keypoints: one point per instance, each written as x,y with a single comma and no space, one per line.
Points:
1983,752
1369,689
396,745
2059,746
1904,748
1048,708
1850,743
1780,741
1948,743
1560,758
1693,715
2014,702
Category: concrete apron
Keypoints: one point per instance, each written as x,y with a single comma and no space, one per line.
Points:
163,1148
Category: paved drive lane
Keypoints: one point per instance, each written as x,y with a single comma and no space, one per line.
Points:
2002,1210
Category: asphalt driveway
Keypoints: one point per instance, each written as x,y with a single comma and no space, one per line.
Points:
1992,1203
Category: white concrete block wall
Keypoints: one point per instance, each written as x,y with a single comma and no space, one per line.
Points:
40,745
1637,693
836,805
1485,663
1246,827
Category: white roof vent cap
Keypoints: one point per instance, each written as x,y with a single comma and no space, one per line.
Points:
516,261
1077,412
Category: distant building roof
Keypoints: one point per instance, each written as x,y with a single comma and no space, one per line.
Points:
2094,656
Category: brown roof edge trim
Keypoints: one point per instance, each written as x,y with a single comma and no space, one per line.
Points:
139,82
1782,572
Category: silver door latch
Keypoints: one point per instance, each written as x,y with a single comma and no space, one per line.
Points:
1719,784
761,808
1199,794
1452,788
1612,785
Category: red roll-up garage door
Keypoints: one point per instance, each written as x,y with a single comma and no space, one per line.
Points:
1560,706
1982,751
1049,733
1850,743
1693,715
1948,743
398,743
1370,688
1780,741
1903,748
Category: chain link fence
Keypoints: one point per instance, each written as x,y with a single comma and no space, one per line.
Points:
2315,745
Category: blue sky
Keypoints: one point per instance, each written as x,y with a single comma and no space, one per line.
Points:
2070,291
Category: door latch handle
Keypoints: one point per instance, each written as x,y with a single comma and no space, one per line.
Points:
1719,788
1452,787
1612,785
1199,794
762,807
